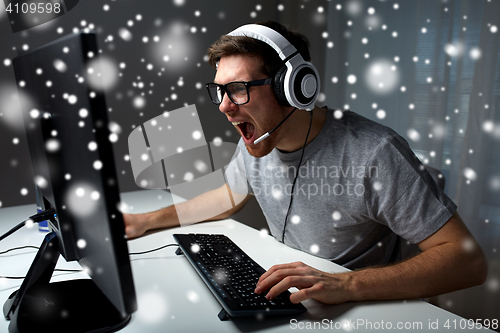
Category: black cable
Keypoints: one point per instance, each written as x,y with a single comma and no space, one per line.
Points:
55,270
33,247
22,277
67,270
12,277
136,253
13,230
287,116
295,179
48,214
20,248
159,248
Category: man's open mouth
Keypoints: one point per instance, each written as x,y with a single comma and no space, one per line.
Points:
247,130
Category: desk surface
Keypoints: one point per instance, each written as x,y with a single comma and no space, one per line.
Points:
173,298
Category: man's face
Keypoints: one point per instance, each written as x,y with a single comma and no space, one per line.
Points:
261,114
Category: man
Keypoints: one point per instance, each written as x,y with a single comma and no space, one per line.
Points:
359,190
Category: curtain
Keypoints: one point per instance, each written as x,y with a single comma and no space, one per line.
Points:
430,70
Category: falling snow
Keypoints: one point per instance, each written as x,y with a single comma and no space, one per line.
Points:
52,145
413,134
171,49
276,193
125,34
470,174
351,79
102,73
195,248
97,165
188,176
382,77
193,296
197,135
381,114
152,307
295,219
200,166
41,182
81,243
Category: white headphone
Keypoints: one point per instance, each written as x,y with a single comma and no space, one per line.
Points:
297,82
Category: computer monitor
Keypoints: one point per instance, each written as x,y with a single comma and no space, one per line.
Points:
68,136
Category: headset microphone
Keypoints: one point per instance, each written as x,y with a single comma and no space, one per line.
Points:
268,133
261,138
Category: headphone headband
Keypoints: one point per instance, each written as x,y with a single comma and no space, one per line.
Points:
267,35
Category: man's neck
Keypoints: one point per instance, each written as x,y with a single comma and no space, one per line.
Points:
298,126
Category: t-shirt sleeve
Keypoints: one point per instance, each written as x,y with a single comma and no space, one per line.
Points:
401,194
235,173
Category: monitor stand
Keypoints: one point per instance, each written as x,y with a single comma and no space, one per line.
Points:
68,306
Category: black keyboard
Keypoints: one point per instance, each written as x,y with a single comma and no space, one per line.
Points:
232,276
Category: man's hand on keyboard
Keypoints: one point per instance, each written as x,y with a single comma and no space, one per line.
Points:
312,283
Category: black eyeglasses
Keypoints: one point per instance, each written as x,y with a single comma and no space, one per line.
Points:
237,91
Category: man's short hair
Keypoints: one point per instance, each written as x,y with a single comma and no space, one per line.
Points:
270,61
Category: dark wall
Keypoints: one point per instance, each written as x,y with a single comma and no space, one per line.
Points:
179,29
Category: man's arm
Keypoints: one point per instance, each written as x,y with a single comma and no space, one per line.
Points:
451,260
191,211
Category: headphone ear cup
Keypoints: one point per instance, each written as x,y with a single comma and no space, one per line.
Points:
305,85
279,86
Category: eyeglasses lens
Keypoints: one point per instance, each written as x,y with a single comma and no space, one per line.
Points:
237,93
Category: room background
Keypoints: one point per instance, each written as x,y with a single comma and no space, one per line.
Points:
429,69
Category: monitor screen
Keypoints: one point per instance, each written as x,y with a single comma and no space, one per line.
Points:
74,172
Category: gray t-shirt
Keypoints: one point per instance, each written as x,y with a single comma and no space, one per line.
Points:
359,187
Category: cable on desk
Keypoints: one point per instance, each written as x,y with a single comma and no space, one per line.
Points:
20,248
12,277
36,248
77,270
153,250
55,270
68,270
61,269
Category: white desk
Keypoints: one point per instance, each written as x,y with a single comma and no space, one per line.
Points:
173,298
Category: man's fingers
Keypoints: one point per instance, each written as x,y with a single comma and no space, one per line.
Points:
276,268
276,276
288,282
304,294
